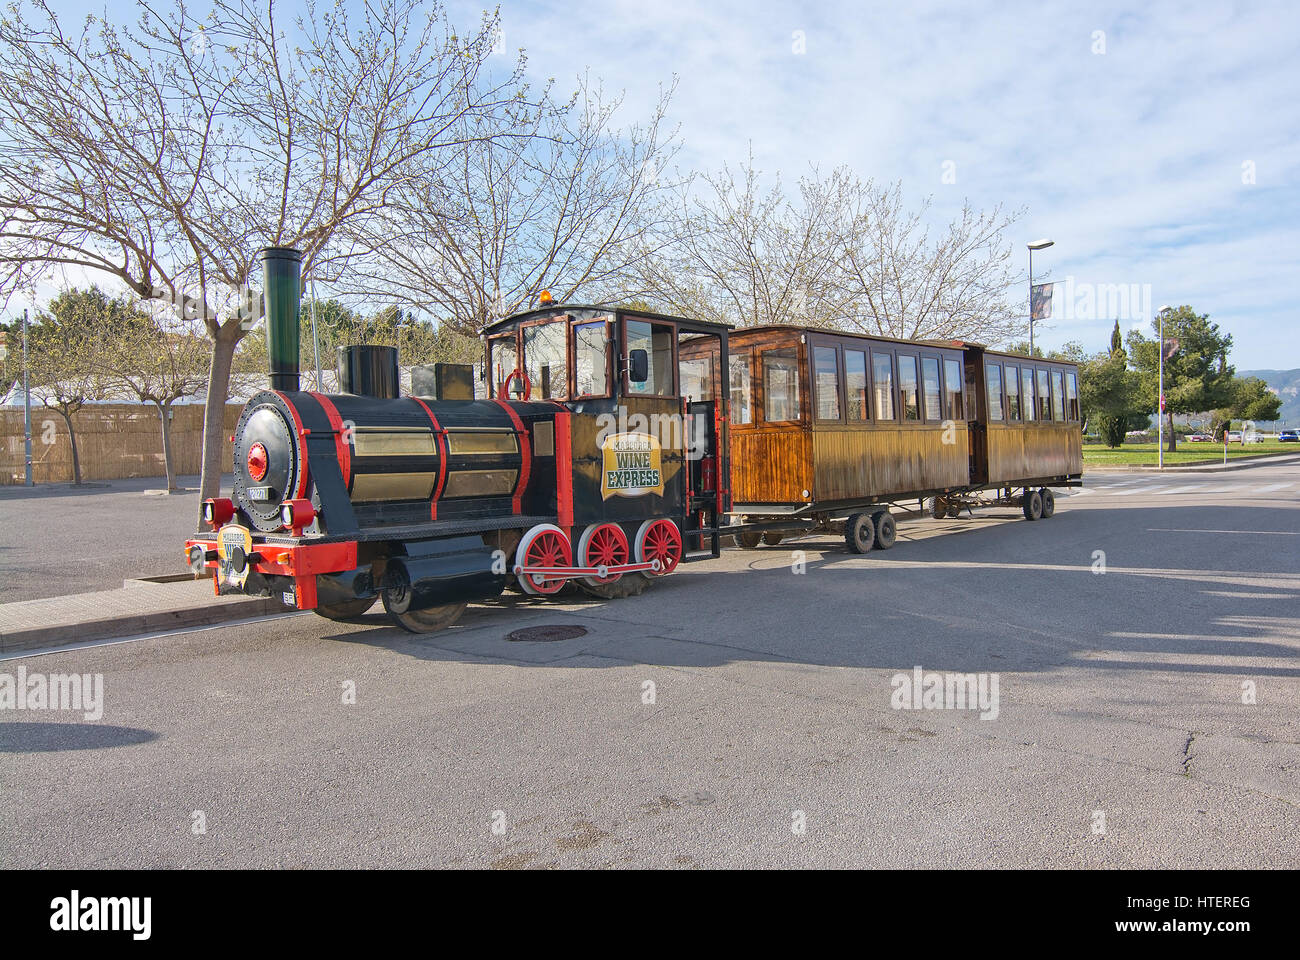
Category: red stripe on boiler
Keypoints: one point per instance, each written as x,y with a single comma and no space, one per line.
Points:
526,454
440,438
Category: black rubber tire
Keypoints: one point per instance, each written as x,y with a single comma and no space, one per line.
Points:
773,538
628,585
1049,502
938,508
1032,505
859,533
345,611
429,620
954,510
749,540
886,529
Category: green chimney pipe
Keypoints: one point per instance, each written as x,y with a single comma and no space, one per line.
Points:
282,298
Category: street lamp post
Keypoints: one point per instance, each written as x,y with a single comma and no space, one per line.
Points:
1160,413
1036,245
27,410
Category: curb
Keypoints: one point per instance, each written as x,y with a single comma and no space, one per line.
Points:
1196,466
38,638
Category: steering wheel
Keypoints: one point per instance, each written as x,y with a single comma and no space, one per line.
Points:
503,393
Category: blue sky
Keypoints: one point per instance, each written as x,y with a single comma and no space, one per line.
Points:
1126,130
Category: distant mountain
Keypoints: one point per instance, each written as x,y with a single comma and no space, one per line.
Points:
1286,384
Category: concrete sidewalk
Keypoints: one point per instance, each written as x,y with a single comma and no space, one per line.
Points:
139,606
1197,466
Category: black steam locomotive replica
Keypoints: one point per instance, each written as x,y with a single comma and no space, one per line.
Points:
584,464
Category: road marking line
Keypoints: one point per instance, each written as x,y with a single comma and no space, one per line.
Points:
1271,533
1274,486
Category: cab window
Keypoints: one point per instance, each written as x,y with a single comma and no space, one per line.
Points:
546,358
502,360
590,359
1071,397
1044,396
657,340
1058,395
882,379
1027,398
697,378
780,385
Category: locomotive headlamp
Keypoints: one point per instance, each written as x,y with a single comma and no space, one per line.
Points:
258,462
218,512
296,514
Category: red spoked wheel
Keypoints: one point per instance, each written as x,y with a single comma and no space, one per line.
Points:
659,540
602,545
544,546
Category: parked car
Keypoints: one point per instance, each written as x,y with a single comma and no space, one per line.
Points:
1289,436
1234,436
1199,438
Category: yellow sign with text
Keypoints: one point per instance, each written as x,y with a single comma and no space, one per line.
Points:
632,466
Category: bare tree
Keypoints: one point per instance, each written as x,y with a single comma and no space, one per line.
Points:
573,208
66,356
159,362
166,152
844,253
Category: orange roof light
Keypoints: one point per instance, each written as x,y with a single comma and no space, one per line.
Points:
544,298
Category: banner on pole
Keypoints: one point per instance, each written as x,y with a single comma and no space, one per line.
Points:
1041,301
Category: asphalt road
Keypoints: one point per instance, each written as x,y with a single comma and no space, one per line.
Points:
1120,697
57,539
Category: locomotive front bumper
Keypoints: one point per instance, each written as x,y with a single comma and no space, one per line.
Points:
297,573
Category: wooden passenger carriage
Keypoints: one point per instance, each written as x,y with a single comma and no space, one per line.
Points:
829,427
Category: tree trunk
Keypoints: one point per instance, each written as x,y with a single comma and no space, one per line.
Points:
72,441
164,415
214,411
1171,445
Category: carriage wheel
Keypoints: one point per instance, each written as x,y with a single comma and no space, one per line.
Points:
544,546
954,510
773,537
347,610
1049,502
1032,506
659,540
602,545
859,532
886,529
749,540
938,507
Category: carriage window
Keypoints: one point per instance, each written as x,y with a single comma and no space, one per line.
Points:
1058,396
546,358
1027,398
908,397
930,388
780,385
855,377
590,360
503,359
697,378
826,367
952,381
1071,397
741,411
993,374
1013,392
1044,396
882,379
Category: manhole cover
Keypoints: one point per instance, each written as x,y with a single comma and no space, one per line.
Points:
547,633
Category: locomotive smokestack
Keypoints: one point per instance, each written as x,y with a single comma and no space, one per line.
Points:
281,293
